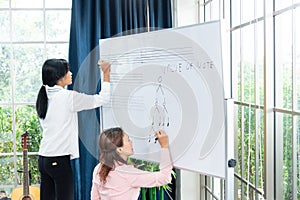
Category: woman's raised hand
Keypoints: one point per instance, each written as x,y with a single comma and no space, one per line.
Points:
104,66
162,138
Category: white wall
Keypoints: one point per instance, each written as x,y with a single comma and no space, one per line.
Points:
190,185
187,12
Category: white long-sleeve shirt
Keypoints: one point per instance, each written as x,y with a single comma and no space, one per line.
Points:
60,126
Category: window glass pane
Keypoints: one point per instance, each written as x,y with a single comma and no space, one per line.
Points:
283,60
58,3
27,4
285,128
259,57
32,30
27,120
235,13
280,4
58,25
33,169
4,3
248,63
6,135
236,58
4,24
212,11
57,50
28,64
215,8
7,171
240,139
260,148
259,9
9,177
5,80
297,58
216,187
247,11
187,12
207,12
249,148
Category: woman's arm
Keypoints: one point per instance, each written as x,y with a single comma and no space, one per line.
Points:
139,178
81,101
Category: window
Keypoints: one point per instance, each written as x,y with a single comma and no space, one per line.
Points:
31,32
287,91
265,69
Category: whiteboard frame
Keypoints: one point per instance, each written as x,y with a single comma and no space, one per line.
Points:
229,130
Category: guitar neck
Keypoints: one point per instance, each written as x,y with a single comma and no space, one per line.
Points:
25,173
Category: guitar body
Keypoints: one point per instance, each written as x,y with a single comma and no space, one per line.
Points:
18,193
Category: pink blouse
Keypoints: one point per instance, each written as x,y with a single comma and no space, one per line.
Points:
125,181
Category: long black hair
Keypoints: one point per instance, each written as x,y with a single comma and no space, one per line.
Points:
52,71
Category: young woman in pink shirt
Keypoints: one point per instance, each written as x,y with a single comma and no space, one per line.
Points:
114,179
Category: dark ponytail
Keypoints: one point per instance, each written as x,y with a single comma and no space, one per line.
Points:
42,103
52,71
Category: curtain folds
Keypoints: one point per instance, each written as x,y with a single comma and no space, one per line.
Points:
160,14
92,20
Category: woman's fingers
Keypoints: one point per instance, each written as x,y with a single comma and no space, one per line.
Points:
158,133
162,138
104,65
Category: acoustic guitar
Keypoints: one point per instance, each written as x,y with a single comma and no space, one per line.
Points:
26,192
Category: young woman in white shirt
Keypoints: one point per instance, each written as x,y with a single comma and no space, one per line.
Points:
57,109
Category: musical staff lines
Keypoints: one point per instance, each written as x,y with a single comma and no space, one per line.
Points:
150,55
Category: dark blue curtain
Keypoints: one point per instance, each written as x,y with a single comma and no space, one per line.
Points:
92,20
160,14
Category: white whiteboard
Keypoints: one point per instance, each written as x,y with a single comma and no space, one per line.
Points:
170,79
